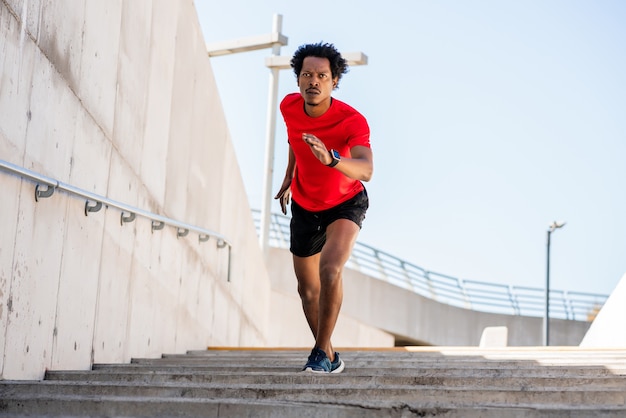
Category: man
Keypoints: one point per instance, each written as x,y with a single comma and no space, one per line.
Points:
329,157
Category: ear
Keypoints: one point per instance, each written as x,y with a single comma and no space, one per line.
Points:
335,82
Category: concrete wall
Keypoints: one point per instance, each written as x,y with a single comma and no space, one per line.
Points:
380,312
117,97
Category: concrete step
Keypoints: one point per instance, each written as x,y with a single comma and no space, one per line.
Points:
455,382
447,378
336,388
222,408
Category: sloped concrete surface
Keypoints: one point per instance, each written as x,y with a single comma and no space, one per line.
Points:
399,382
608,329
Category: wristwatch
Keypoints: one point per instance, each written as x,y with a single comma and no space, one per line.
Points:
334,154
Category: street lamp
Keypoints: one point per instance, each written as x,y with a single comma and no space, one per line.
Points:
251,43
276,63
546,318
273,40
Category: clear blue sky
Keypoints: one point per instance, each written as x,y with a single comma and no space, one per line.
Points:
489,120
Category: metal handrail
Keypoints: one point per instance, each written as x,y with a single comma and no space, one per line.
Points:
470,294
94,203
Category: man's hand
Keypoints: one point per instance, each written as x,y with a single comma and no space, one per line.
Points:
284,194
318,148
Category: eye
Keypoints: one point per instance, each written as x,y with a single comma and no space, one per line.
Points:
306,74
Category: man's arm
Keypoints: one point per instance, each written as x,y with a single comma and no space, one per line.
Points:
359,165
284,193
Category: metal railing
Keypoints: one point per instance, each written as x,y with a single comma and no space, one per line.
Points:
464,293
46,186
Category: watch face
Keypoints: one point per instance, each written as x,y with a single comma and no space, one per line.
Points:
336,154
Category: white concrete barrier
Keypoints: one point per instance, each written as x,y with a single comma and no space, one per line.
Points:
608,329
494,337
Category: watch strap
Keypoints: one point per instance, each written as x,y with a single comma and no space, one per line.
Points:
334,161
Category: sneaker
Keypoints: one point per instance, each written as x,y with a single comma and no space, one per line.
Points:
338,365
318,362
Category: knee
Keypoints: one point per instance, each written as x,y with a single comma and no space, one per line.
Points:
330,272
308,294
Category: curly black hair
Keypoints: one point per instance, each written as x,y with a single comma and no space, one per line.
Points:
338,65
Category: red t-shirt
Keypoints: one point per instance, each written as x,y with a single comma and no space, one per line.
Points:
315,186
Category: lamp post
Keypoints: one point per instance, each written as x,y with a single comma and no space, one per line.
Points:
251,43
274,40
546,318
269,148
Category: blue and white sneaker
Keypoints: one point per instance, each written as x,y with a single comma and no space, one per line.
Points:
318,362
338,365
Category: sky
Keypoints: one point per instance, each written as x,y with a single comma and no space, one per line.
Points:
489,120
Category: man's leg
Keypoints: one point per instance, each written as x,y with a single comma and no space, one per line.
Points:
307,273
341,236
320,281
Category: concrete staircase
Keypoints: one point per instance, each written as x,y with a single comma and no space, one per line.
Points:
401,382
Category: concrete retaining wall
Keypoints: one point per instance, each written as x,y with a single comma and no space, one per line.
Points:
118,98
380,312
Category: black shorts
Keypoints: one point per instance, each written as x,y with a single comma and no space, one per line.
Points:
308,229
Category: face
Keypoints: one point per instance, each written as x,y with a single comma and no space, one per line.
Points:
316,84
